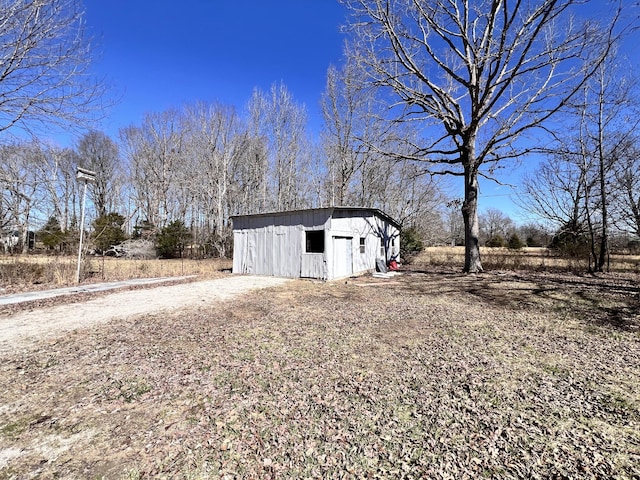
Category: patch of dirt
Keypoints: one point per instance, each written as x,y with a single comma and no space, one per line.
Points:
27,322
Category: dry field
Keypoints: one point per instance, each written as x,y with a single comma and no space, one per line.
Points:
33,272
530,258
431,374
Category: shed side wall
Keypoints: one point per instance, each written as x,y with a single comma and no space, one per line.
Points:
275,245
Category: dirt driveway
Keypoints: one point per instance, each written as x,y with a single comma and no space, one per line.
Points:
18,329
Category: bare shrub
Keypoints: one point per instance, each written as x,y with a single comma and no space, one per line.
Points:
138,248
18,272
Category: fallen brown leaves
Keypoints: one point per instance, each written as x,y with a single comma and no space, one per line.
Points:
434,375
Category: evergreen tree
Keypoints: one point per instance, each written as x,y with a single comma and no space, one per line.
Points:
172,239
108,231
515,243
52,235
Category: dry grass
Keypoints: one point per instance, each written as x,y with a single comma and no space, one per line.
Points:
530,258
433,375
32,272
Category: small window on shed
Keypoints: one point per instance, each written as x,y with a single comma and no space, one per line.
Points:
314,241
362,244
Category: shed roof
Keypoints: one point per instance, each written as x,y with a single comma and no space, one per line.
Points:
330,210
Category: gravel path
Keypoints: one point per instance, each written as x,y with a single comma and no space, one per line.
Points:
23,328
36,295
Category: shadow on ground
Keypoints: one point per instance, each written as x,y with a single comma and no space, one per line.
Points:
607,299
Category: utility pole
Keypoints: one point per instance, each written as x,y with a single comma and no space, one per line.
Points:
86,176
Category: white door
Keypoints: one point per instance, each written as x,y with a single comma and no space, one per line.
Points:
342,257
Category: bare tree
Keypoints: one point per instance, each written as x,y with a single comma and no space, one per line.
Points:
588,152
213,145
494,223
282,123
346,111
98,152
250,177
556,191
359,175
612,126
454,222
19,189
477,74
153,151
605,129
56,175
534,234
44,60
411,197
627,188
38,183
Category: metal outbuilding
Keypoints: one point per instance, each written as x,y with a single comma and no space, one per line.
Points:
322,243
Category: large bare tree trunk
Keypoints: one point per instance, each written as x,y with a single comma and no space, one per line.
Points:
472,263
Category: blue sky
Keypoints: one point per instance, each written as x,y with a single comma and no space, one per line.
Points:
163,54
160,55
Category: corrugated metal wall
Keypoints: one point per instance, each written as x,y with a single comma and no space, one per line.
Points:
275,245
